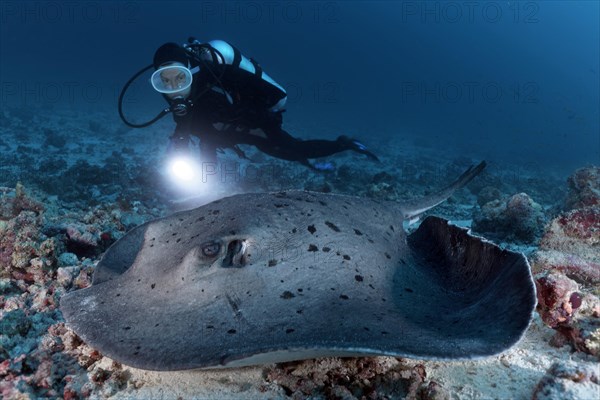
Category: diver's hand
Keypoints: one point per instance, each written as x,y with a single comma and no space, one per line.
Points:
178,144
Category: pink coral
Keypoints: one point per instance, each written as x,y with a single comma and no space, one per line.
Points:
572,312
587,273
554,293
575,232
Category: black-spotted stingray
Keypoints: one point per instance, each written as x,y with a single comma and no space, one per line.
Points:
273,277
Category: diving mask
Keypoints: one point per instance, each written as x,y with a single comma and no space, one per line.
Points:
171,79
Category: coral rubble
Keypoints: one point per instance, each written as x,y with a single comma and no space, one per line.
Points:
517,218
568,380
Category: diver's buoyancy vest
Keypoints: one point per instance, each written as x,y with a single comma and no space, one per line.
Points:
229,55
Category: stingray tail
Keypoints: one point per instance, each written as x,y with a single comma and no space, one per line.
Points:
413,209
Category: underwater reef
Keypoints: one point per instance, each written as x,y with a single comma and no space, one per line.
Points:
58,215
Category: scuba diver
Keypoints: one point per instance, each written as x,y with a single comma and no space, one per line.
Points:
226,99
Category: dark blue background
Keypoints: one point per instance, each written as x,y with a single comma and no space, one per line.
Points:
516,81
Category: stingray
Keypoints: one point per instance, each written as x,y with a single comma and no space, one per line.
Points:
273,277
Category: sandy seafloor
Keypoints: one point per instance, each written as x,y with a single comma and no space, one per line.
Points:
42,149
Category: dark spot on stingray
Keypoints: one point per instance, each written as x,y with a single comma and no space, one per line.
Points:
358,278
385,333
280,205
156,325
138,347
346,257
371,286
231,331
402,261
289,330
300,290
183,278
326,249
383,299
409,290
178,240
272,263
324,204
392,228
135,353
200,219
281,281
216,212
153,286
287,295
210,327
232,232
338,253
332,288
151,245
312,229
359,233
312,247
294,230
332,226
387,255
344,297
127,328
118,294
299,311
174,234
370,240
366,329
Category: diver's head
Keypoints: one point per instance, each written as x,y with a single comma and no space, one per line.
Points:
172,76
170,53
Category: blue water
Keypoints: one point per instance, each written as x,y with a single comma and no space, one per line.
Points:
501,80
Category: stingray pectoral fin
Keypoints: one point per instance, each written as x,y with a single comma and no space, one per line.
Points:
412,209
156,328
479,299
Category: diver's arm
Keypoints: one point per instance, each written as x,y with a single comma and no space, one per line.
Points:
180,139
226,54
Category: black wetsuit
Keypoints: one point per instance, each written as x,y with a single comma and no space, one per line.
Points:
244,116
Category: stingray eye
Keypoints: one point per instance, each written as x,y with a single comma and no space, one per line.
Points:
211,249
